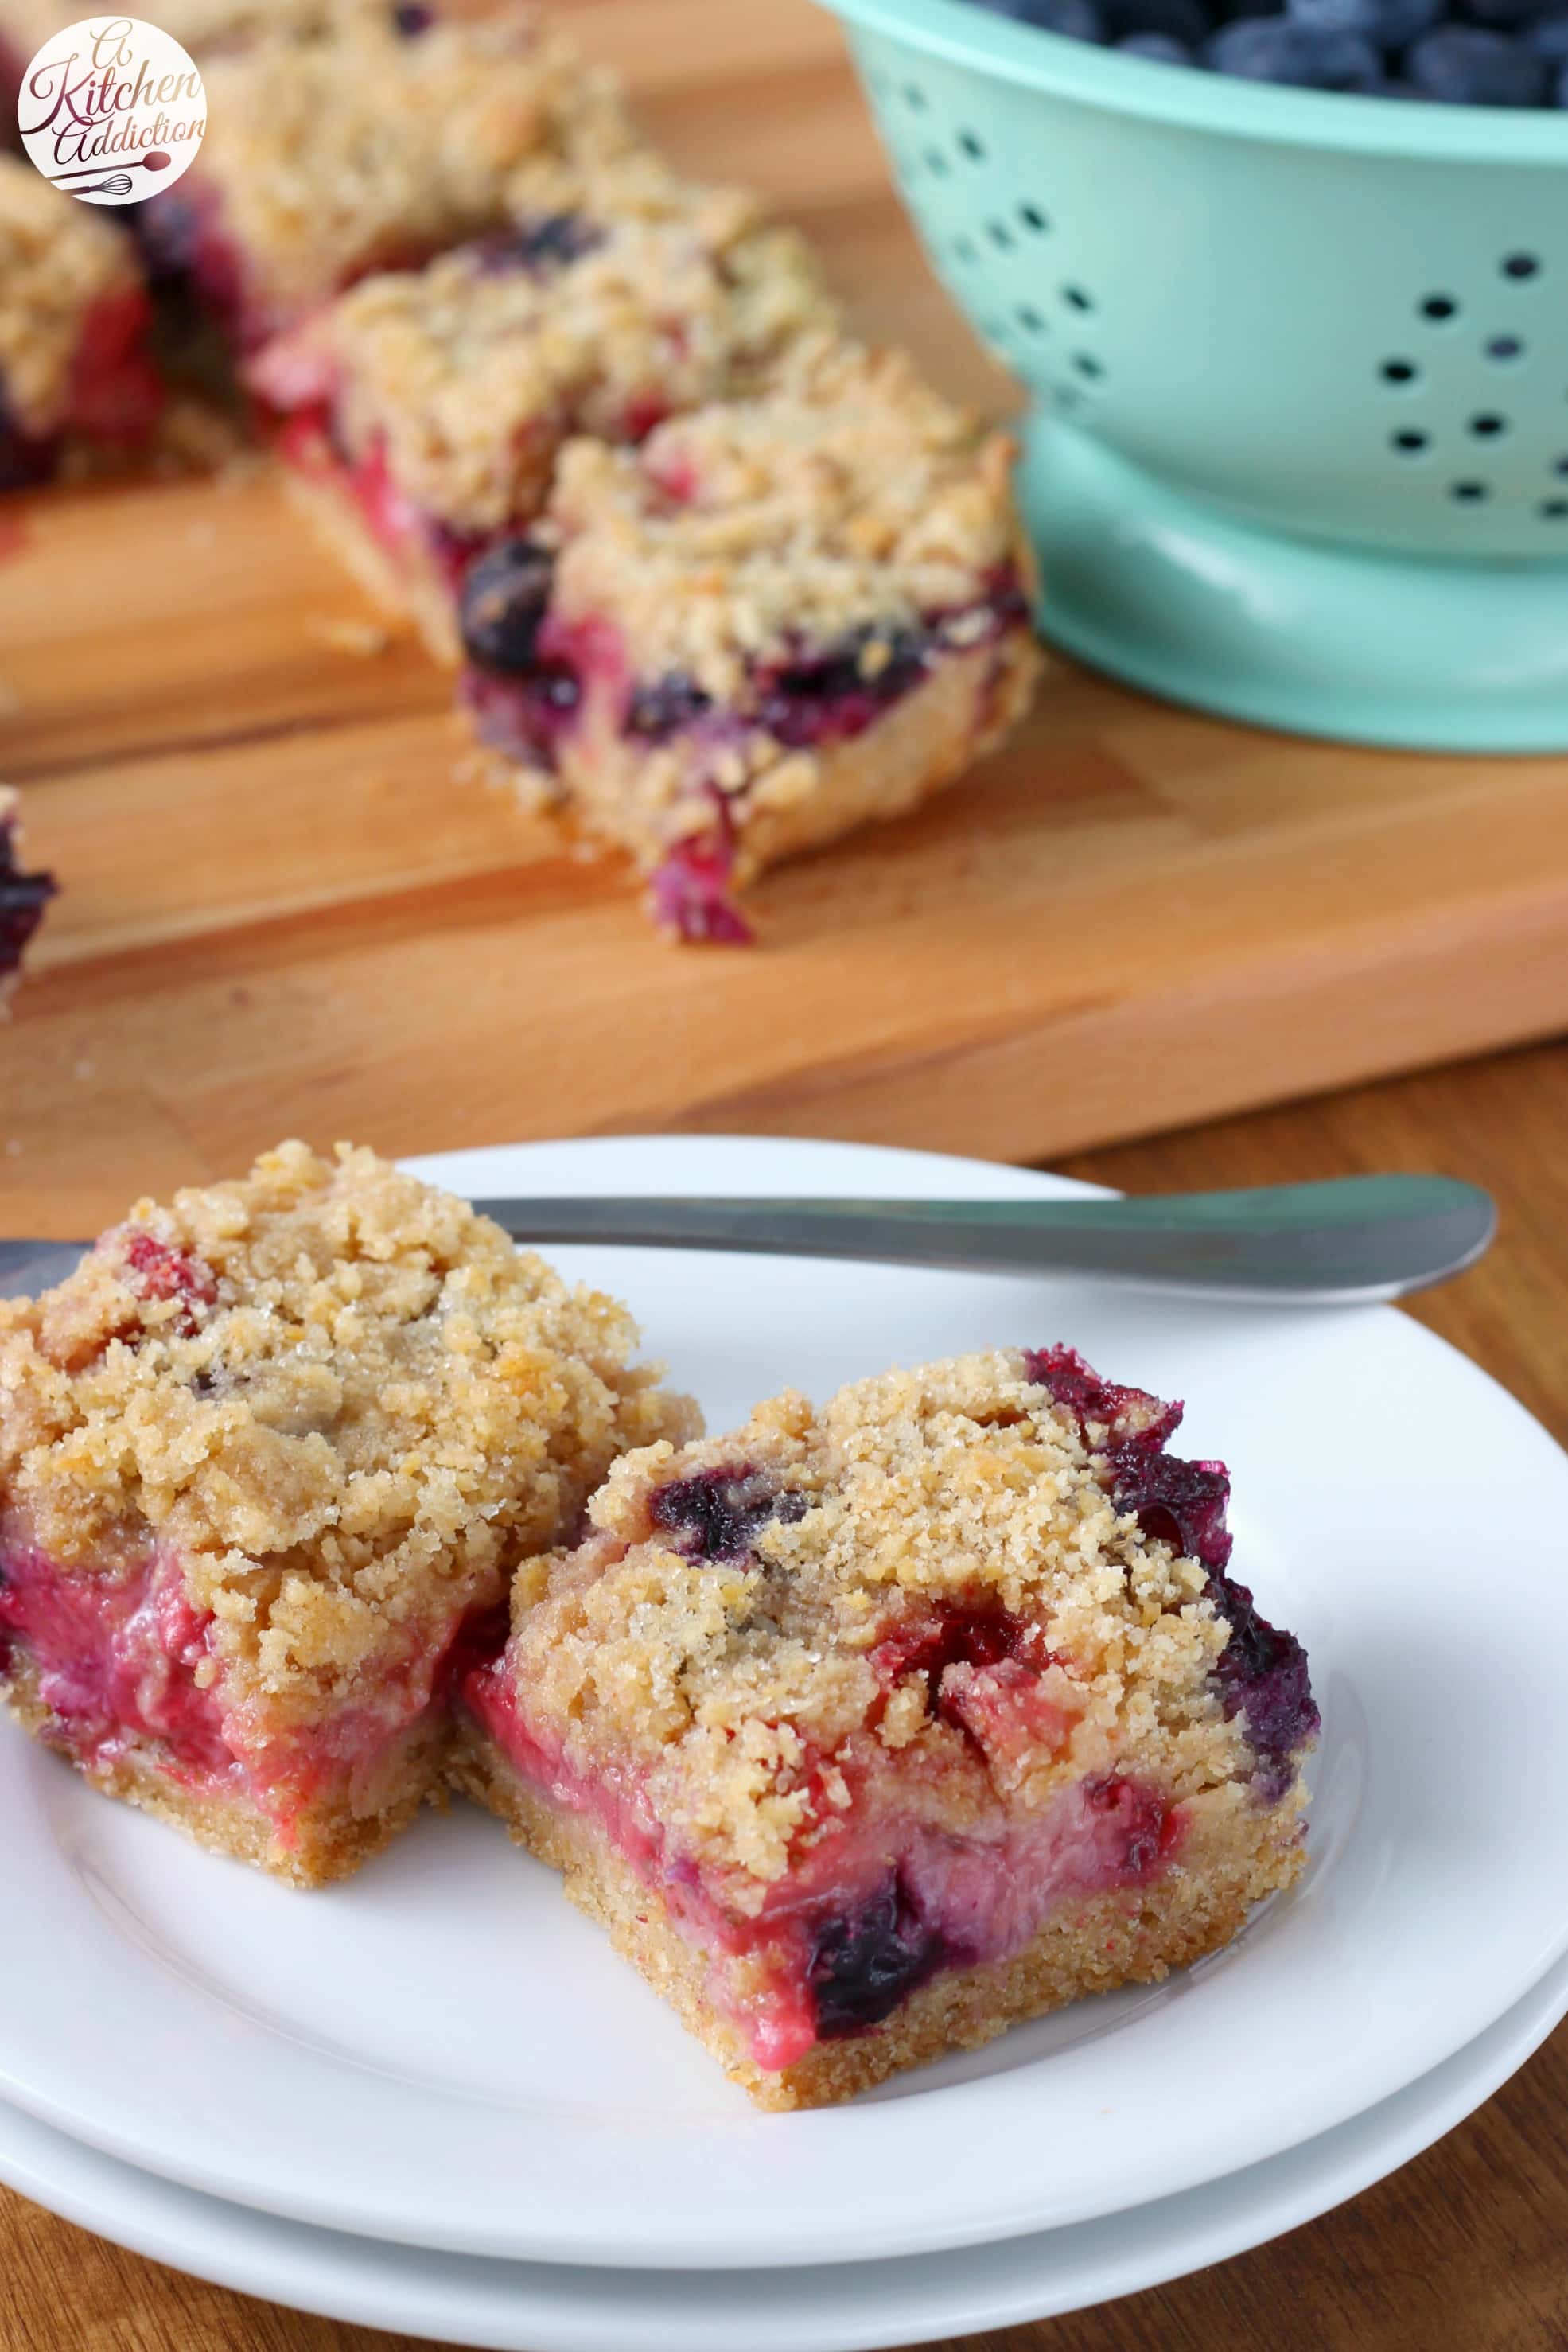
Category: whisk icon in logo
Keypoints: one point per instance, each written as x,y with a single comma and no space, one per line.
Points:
112,110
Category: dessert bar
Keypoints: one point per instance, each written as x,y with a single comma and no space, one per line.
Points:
868,1733
423,411
22,896
372,147
76,384
268,1460
199,25
776,619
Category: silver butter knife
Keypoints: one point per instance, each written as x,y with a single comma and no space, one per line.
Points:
1350,1241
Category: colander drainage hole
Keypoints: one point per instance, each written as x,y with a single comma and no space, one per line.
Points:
963,250
1560,466
1553,510
975,148
1520,265
1469,493
1087,365
937,163
1076,299
1000,235
1033,218
1410,445
915,98
1487,429
1030,320
1504,348
1400,372
1439,307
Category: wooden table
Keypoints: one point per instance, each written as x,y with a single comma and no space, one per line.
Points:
269,925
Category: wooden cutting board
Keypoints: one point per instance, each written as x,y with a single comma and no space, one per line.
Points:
286,911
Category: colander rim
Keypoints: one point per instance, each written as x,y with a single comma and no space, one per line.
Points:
968,35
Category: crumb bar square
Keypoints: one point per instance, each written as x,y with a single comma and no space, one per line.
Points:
867,1732
268,1460
777,618
22,896
75,382
372,147
201,26
423,412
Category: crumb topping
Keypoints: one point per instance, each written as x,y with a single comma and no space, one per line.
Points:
929,1571
344,1402
649,297
852,495
364,150
196,24
58,261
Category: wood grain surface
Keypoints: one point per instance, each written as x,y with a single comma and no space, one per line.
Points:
285,912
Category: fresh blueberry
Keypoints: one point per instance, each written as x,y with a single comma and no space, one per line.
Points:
1274,49
1182,21
1505,15
549,242
1465,66
22,898
1548,37
1163,48
1080,19
411,19
1390,24
504,601
665,708
717,1515
862,1966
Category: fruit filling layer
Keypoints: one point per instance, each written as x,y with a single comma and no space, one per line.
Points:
127,1669
535,675
120,1659
267,1459
74,372
849,1934
866,1697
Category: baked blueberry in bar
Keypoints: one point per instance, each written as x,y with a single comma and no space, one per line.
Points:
776,618
22,896
869,1732
268,1460
372,147
76,384
423,411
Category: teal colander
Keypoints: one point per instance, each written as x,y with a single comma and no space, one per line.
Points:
1298,442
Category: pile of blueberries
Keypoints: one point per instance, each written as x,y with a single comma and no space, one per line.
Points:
1477,53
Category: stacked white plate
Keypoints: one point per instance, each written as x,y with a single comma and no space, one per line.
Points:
432,2100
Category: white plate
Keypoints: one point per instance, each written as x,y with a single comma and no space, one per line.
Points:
443,2053
535,2308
